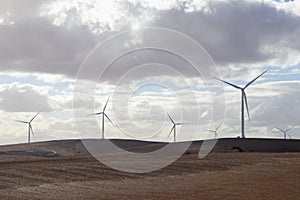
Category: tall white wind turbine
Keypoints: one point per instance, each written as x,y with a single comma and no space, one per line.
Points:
243,101
30,129
285,132
103,116
174,127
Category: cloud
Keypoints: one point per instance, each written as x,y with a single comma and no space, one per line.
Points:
241,32
239,35
24,98
34,44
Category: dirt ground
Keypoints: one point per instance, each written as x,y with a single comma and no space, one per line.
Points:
217,176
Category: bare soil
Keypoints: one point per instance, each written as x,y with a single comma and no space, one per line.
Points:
217,176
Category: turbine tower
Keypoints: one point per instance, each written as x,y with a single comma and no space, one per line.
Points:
285,132
30,129
215,131
243,101
103,116
174,127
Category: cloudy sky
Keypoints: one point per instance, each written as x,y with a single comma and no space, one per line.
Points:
64,58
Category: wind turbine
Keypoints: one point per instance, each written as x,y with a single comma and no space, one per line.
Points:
174,127
243,101
285,132
30,129
215,131
103,116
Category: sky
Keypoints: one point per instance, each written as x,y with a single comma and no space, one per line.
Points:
64,58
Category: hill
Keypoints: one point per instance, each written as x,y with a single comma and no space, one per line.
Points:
69,148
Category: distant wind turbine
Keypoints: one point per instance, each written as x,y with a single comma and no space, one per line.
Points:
30,129
103,116
244,100
285,132
215,131
174,127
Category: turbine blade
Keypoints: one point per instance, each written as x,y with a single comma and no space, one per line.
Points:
31,129
237,87
289,129
255,79
34,117
246,102
170,118
210,131
108,119
21,121
181,123
106,104
95,114
171,131
289,136
279,129
219,127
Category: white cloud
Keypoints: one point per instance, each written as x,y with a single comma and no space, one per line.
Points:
24,98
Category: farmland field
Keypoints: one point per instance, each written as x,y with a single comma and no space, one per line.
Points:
218,176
